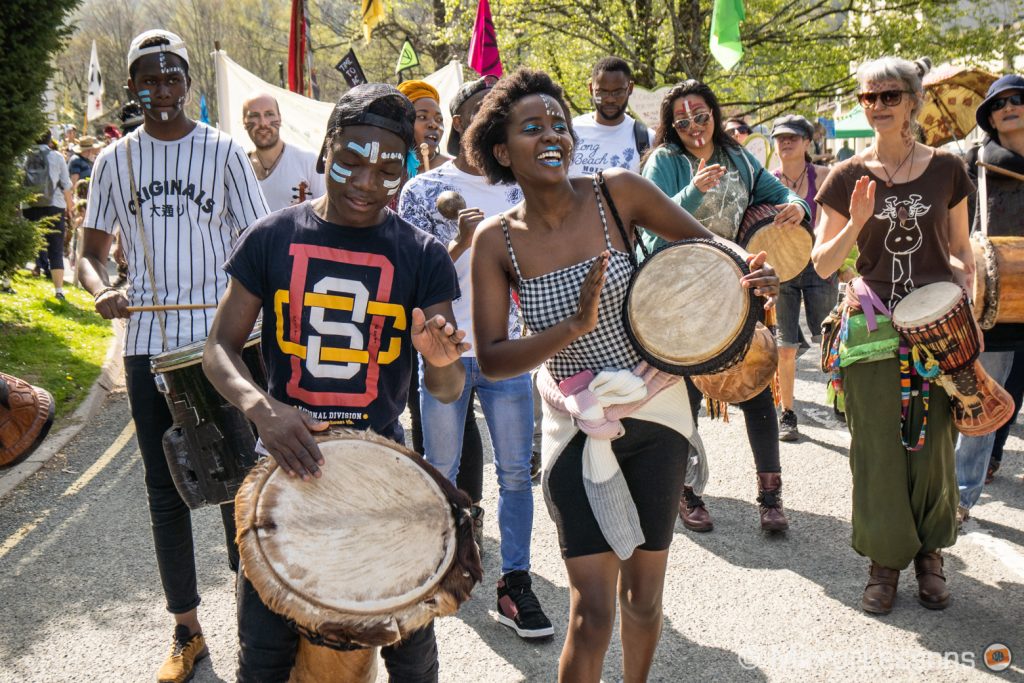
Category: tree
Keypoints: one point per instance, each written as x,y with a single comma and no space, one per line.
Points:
32,32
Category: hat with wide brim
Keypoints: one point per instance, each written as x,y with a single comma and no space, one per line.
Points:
1004,84
85,143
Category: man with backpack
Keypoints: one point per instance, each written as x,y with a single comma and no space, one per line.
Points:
46,176
608,136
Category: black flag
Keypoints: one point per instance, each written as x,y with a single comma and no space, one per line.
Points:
350,69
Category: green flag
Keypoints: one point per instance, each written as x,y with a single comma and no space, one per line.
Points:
725,32
407,58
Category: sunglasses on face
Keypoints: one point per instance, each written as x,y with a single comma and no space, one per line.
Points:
738,130
890,98
700,119
1000,102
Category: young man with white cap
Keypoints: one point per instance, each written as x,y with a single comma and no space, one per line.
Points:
179,193
287,172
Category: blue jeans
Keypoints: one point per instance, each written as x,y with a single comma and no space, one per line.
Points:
819,296
973,452
508,409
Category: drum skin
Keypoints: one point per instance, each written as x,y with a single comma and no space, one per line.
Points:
749,377
788,246
363,555
686,312
998,280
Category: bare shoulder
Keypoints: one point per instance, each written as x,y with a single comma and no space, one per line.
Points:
489,239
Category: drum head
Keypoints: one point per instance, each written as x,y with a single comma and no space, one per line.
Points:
788,248
192,353
374,534
926,305
686,312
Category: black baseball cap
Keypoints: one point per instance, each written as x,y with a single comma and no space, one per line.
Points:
372,104
793,124
465,92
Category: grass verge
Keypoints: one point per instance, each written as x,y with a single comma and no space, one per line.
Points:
59,346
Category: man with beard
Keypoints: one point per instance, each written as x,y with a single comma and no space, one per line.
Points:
608,136
287,173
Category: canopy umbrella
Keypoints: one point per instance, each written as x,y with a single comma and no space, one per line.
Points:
854,124
952,94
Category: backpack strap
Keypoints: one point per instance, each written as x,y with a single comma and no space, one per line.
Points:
641,137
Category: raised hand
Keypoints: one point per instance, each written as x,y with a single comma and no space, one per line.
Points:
706,176
287,433
468,221
862,202
585,319
437,340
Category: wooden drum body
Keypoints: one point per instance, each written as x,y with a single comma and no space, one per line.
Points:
371,551
937,317
788,246
998,280
748,378
686,312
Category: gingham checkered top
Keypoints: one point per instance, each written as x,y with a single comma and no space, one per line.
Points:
548,299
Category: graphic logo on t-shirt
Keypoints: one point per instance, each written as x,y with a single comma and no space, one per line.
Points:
902,239
351,327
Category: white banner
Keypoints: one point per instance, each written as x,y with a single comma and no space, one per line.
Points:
94,100
303,120
646,104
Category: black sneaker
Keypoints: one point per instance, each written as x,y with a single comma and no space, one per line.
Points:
476,513
519,608
787,426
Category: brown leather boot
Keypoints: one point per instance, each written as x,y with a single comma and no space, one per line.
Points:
880,593
931,582
693,512
769,498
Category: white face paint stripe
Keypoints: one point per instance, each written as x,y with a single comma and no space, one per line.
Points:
392,186
387,156
339,173
370,150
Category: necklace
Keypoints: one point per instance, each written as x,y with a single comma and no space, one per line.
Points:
794,184
888,176
267,170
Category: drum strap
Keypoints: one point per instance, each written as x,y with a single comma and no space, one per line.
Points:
618,222
983,190
147,252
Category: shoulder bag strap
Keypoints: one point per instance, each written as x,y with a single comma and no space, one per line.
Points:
147,253
982,190
630,244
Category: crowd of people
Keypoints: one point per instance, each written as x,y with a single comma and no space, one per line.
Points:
514,300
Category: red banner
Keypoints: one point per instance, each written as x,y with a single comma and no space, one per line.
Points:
297,48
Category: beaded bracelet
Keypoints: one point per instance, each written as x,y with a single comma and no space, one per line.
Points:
97,295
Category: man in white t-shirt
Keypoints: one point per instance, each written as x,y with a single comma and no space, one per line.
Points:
287,173
508,403
178,193
608,136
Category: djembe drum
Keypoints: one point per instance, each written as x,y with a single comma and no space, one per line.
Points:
748,378
368,553
998,280
937,317
686,312
788,246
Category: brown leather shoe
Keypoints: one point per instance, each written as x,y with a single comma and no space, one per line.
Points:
186,650
26,413
931,582
880,593
769,499
693,512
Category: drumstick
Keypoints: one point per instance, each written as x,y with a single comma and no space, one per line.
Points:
169,307
425,154
997,169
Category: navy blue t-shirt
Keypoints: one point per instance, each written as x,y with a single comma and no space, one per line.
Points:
81,166
337,307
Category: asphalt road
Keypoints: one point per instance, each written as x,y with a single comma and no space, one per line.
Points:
80,598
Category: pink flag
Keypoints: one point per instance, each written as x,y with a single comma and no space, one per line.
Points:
483,46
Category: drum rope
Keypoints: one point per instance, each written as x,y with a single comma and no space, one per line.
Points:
906,371
147,252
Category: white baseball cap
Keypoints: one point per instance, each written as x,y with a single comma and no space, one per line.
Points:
175,45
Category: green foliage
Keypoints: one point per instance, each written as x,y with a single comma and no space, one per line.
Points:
31,33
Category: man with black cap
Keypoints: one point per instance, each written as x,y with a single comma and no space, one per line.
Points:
507,404
997,168
343,247
178,193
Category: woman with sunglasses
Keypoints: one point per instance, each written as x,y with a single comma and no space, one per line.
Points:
705,171
1001,194
567,249
905,206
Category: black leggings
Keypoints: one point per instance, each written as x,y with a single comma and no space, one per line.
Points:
1014,385
762,426
471,466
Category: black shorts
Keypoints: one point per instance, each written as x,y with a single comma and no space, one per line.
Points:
54,237
653,461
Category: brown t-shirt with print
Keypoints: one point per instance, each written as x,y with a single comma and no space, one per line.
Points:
905,244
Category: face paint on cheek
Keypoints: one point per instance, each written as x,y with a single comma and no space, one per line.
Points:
339,173
145,98
371,150
392,186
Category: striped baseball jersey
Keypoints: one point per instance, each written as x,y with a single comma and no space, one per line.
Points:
196,195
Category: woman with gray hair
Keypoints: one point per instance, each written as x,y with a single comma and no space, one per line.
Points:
905,206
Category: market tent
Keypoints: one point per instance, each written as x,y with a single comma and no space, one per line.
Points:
853,124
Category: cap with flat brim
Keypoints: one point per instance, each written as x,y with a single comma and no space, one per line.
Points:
467,91
174,45
1002,85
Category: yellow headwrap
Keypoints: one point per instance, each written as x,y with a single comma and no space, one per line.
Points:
417,90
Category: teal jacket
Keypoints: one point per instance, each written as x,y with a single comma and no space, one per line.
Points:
671,171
